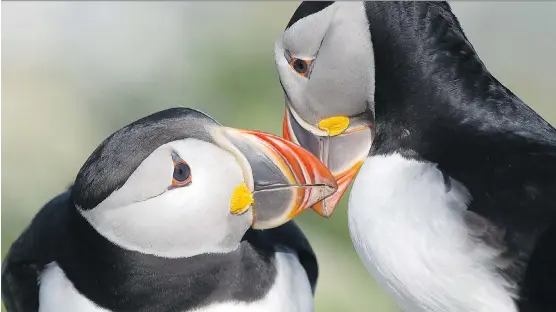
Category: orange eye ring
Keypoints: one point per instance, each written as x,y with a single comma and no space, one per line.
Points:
182,174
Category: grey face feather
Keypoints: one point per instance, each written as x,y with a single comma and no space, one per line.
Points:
337,40
113,162
304,38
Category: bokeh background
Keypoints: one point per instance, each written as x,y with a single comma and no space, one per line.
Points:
74,72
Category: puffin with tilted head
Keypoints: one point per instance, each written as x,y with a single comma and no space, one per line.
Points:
454,203
166,215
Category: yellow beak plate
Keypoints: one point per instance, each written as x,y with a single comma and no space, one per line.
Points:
241,200
334,125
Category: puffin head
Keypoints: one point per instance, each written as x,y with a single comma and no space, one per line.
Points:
326,69
177,183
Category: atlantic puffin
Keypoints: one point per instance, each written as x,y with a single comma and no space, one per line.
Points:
168,214
453,206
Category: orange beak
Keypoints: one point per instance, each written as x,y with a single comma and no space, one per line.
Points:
342,153
284,178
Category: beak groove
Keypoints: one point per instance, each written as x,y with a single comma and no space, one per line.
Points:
342,150
285,178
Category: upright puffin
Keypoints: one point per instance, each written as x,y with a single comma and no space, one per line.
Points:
454,207
161,217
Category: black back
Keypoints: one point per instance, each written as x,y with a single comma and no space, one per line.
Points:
122,280
436,101
37,246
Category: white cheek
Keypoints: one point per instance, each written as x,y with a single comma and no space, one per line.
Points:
184,221
294,84
284,69
342,77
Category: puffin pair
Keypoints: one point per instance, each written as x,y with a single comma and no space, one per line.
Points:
161,218
454,206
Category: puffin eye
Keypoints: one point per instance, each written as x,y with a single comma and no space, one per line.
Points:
181,175
300,66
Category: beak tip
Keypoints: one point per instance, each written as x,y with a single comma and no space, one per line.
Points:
324,209
324,213
328,180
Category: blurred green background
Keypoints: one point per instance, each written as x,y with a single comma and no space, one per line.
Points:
74,72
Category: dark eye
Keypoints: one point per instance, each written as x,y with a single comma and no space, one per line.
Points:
300,66
182,174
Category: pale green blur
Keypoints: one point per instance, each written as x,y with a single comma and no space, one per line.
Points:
73,73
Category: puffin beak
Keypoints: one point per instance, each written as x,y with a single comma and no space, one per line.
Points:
282,179
340,142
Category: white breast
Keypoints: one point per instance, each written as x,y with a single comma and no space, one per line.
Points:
291,292
410,234
57,294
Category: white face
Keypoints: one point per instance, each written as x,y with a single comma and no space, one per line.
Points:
148,215
338,78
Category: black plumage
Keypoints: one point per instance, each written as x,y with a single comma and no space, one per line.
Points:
123,280
436,101
307,8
